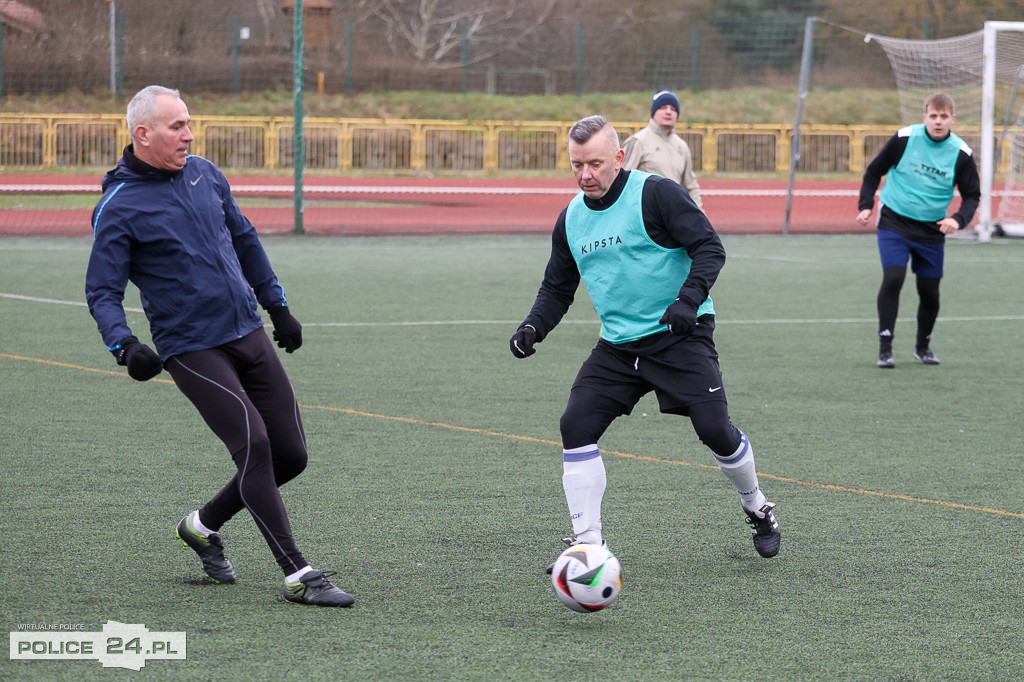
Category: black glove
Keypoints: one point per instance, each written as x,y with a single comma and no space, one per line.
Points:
522,341
142,361
680,317
287,330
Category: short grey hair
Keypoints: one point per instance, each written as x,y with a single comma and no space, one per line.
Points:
140,108
585,128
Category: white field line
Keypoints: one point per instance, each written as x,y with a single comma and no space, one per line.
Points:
440,323
307,189
719,322
410,189
36,299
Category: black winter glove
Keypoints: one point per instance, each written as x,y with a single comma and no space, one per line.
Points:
522,341
142,361
287,330
680,317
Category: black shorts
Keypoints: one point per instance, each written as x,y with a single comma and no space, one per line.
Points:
681,373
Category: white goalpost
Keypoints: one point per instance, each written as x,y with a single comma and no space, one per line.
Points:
1010,218
982,71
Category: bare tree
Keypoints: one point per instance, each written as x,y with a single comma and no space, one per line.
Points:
268,11
432,31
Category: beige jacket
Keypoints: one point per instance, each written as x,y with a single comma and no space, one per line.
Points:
653,150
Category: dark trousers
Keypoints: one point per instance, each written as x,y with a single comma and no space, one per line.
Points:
242,392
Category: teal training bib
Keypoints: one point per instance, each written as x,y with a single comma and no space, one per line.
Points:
920,186
630,279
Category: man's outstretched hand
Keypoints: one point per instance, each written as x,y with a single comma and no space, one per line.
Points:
142,361
287,330
521,343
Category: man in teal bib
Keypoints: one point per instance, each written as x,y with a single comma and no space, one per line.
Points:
923,162
648,257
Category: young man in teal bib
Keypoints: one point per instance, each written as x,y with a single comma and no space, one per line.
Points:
648,257
923,162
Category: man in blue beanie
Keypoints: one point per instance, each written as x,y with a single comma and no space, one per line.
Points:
657,149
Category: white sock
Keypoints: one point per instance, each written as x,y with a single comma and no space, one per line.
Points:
294,577
739,469
198,525
583,479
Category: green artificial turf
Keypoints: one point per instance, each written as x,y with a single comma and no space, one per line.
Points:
434,483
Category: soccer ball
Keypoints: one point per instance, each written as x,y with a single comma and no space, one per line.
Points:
586,577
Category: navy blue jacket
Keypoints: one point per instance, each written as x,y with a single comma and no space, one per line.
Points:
182,240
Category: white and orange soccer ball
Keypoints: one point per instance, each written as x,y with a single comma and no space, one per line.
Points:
587,577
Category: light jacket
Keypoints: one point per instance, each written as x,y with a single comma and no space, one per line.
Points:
655,150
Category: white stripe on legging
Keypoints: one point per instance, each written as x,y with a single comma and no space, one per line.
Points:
241,473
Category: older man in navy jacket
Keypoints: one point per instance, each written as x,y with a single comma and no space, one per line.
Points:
167,223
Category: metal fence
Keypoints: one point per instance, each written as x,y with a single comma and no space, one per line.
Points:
230,46
72,141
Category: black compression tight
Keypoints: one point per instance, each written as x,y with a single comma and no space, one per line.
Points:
927,309
889,302
242,392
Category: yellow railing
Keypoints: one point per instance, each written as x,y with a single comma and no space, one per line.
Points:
391,145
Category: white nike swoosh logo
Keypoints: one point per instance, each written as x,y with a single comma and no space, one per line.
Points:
712,390
196,181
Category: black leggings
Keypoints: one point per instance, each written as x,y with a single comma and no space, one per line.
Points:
889,303
242,392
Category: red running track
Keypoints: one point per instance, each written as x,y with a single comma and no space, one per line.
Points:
403,206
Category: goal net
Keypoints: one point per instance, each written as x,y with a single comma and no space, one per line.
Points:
982,72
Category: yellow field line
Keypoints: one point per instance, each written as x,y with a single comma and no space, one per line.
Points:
530,439
646,458
80,367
